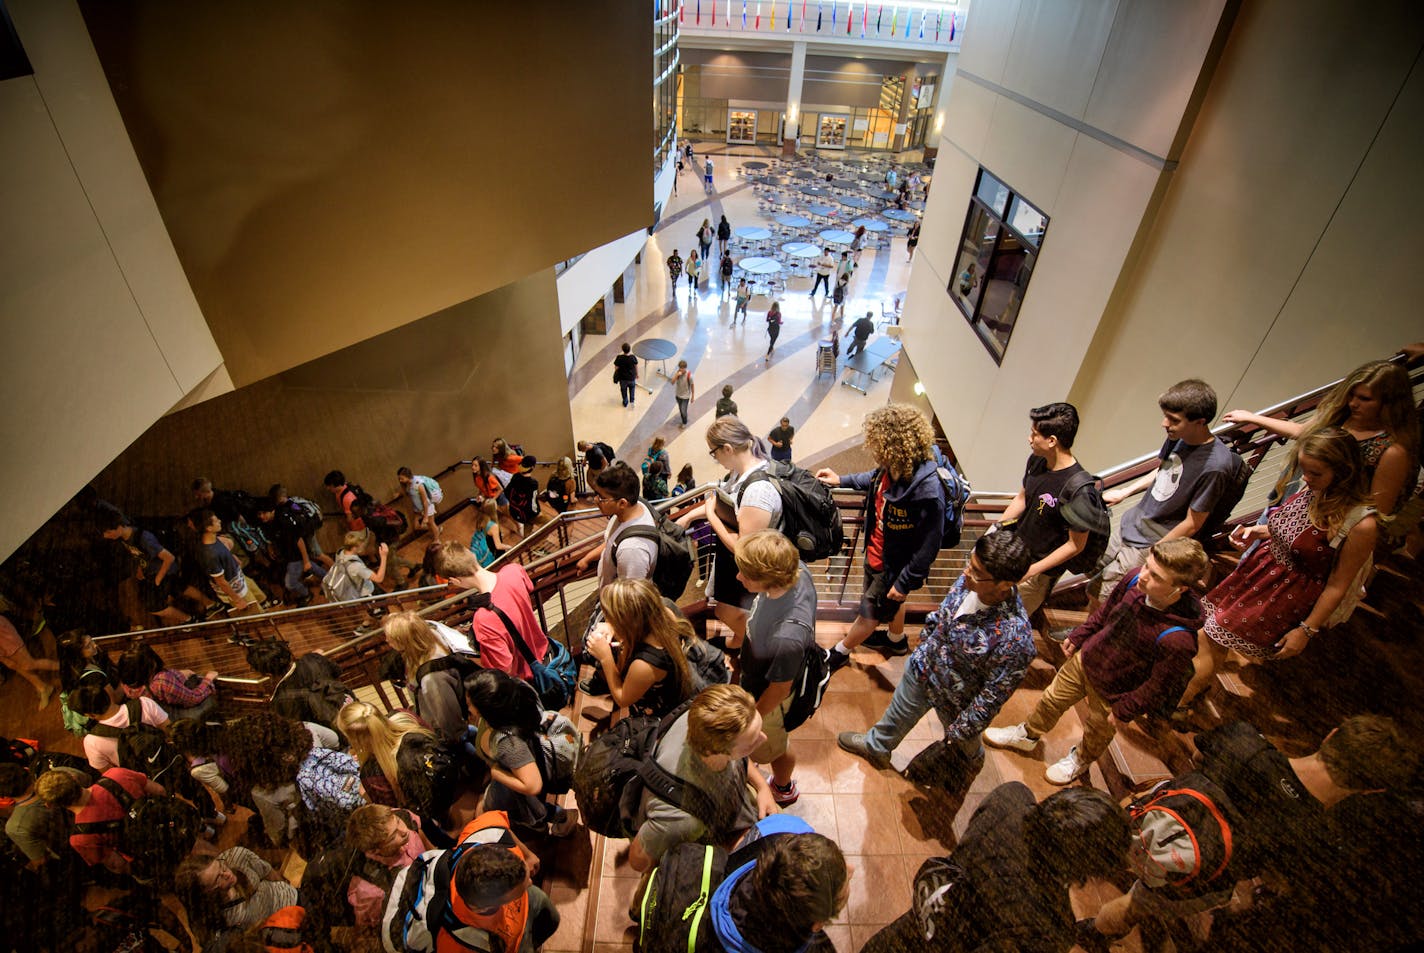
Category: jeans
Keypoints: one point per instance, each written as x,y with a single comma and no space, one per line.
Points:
856,344
626,388
822,280
907,706
682,403
523,809
293,580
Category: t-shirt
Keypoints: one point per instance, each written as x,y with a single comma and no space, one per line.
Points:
103,806
783,436
726,407
511,594
268,896
148,544
663,695
863,328
627,367
39,830
635,557
665,826
218,560
103,753
760,493
825,265
682,386
778,633
875,546
1188,478
506,749
1042,526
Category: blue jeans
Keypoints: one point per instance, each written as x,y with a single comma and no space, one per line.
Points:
682,403
907,706
293,580
626,389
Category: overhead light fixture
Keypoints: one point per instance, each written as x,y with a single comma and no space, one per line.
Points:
919,389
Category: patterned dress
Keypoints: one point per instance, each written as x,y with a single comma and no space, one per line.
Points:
1273,588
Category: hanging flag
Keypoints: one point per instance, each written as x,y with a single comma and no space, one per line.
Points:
788,16
850,12
923,14
773,14
757,25
803,16
909,17
864,14
894,17
699,12
953,21
744,14
878,17
833,16
939,22
681,12
818,16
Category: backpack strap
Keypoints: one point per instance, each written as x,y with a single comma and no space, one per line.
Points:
135,709
1166,632
1352,519
125,800
1216,814
514,634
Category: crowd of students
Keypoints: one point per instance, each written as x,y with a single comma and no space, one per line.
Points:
377,802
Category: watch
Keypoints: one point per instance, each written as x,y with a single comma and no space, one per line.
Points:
1311,631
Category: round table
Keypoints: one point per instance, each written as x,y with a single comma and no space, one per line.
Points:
898,215
843,184
820,210
803,173
855,201
655,349
754,265
871,177
753,233
755,165
814,190
836,236
802,249
887,196
793,221
871,225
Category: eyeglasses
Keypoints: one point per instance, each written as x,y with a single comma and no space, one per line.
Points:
715,450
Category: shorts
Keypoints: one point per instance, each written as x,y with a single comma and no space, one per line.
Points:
1035,590
1122,561
777,738
253,595
874,603
10,641
727,589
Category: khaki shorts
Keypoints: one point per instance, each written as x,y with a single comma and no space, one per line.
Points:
777,738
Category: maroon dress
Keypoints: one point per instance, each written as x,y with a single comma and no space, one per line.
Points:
1274,588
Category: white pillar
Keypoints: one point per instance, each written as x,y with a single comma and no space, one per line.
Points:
936,129
793,98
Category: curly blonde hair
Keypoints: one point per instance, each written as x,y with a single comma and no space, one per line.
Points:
899,438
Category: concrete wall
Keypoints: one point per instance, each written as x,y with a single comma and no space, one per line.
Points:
101,333
756,76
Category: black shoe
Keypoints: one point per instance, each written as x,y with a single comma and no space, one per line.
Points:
595,684
838,661
880,641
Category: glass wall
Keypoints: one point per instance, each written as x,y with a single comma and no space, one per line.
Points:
665,80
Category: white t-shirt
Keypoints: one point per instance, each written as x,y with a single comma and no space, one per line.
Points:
635,556
103,753
761,494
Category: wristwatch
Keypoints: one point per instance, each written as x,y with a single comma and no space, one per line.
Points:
1311,631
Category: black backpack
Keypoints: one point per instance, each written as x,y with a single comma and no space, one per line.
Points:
675,559
158,832
325,882
706,663
809,515
523,493
1230,496
145,748
1091,556
673,914
809,687
426,768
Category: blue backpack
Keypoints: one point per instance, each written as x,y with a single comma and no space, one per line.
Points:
956,496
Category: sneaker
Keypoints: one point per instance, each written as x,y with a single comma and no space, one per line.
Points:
784,796
1059,634
838,661
880,641
563,824
854,742
595,684
1070,766
1014,736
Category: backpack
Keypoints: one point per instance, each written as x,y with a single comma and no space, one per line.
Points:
672,567
655,486
673,915
144,748
555,676
809,687
523,493
706,663
1186,834
418,916
283,931
158,832
425,767
325,881
385,522
559,748
338,585
308,514
809,515
1091,557
943,901
956,497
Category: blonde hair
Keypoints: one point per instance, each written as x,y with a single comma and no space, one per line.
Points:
899,438
354,540
733,433
717,718
411,636
565,469
486,513
769,558
453,560
1389,382
366,827
635,610
1184,560
1348,487
58,789
374,735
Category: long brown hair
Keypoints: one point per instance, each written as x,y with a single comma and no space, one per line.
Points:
1348,487
1389,382
635,610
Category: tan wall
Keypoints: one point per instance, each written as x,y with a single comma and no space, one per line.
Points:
422,396
1030,103
764,77
99,332
329,170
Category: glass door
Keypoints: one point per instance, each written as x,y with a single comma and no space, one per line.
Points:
741,126
831,131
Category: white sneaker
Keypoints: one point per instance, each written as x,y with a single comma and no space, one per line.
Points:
1014,736
1067,768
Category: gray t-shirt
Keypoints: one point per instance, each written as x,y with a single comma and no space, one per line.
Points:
663,826
635,556
1188,478
40,831
778,633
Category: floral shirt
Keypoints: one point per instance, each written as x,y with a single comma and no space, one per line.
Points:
971,664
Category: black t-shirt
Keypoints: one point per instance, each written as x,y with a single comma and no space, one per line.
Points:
663,696
1042,526
283,531
627,367
863,328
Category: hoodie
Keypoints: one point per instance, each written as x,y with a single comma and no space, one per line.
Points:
913,521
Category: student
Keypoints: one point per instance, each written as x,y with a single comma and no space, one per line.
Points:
504,456
287,547
1194,469
616,494
308,516
780,628
560,488
657,451
912,239
93,836
744,297
101,744
507,715
650,674
780,439
726,406
724,235
486,542
674,267
845,268
389,840
155,577
694,271
838,298
424,494
362,580
685,480
904,516
724,269
184,694
523,493
825,267
1018,861
234,890
773,328
707,174
400,763
596,457
743,504
707,747
861,330
229,584
345,494
1131,658
1055,527
705,234
625,372
684,391
971,657
17,658
509,590
434,675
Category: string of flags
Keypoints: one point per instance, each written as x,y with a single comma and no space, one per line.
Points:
946,23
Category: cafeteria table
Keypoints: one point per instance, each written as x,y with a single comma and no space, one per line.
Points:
836,236
855,201
860,370
793,221
802,249
757,166
899,215
871,225
822,210
753,233
654,349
